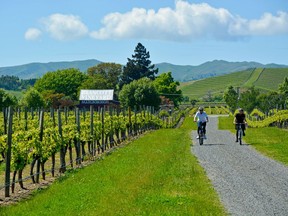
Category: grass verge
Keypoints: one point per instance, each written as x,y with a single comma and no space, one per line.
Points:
270,141
154,175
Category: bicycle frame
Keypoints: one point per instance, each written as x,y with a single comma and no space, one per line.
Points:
239,132
201,133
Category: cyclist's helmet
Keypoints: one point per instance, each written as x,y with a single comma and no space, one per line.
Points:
200,108
241,109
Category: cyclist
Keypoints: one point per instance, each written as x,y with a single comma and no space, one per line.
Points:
202,118
240,118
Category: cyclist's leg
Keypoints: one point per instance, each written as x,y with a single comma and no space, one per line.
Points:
236,133
243,129
198,127
204,127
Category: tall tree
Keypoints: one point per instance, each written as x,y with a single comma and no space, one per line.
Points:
283,87
167,87
107,73
269,101
231,98
65,82
138,67
248,99
32,99
138,93
6,99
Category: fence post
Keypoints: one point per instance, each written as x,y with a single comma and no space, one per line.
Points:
62,148
103,127
41,123
92,145
8,154
78,149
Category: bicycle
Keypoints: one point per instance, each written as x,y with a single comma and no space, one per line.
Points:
201,133
239,132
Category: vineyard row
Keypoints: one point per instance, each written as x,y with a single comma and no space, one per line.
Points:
33,138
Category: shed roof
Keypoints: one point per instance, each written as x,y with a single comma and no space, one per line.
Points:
106,94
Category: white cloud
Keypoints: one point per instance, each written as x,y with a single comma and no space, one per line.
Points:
266,25
186,22
65,27
32,34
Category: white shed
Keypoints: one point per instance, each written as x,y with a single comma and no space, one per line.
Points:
95,97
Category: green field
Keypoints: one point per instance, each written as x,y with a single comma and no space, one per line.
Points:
270,78
254,77
215,85
267,79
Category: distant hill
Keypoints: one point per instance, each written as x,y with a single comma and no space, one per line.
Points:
37,70
210,69
180,73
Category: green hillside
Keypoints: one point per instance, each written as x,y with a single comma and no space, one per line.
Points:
215,85
267,79
254,77
270,78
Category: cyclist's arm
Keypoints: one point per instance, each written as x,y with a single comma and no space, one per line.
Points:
244,120
195,116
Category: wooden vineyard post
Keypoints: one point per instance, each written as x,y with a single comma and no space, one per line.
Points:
62,149
102,131
52,114
26,119
8,154
130,122
5,120
77,146
92,142
32,113
41,123
135,128
111,134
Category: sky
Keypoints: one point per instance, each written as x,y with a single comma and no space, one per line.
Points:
180,32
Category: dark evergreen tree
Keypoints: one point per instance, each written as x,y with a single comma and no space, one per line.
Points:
138,67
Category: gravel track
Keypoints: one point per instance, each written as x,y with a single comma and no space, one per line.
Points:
247,182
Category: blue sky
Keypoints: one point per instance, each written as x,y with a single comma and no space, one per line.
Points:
182,32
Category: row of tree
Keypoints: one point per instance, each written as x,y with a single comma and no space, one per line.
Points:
253,98
135,84
14,83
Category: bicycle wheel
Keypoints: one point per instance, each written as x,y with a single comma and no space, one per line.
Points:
240,136
201,137
201,140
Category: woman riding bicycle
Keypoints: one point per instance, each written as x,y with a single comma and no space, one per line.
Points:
240,118
201,117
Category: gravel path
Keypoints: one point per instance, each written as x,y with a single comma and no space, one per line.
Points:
248,183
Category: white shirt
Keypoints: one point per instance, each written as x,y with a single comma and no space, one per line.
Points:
202,117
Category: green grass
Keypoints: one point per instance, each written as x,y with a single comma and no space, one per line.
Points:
270,141
154,175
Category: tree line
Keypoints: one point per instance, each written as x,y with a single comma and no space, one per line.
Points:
14,83
135,84
252,98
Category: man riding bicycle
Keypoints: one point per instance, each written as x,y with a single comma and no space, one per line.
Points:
240,118
201,117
